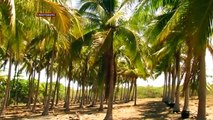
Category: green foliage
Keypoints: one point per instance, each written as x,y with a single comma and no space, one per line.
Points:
209,89
19,90
149,92
42,91
2,87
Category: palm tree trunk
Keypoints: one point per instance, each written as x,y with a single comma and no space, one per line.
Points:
128,91
201,115
177,92
131,87
177,96
101,100
47,102
67,101
67,98
110,78
165,87
116,92
135,102
173,88
58,90
30,89
55,89
93,95
16,83
46,106
7,90
96,97
133,92
57,86
121,97
83,83
36,94
169,86
185,111
79,94
73,91
82,94
87,94
76,93
125,91
46,86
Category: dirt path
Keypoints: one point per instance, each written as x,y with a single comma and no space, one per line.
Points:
146,109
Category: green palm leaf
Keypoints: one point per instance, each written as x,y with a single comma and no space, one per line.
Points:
90,5
175,24
62,19
7,8
114,18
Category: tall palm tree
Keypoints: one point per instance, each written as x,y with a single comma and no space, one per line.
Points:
105,16
9,16
192,21
66,18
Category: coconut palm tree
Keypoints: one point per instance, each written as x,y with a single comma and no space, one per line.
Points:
195,28
9,18
106,19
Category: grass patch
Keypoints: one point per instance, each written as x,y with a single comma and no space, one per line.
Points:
150,92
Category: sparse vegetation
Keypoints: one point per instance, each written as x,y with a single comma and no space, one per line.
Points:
150,92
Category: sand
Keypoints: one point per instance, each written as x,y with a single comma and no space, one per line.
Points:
146,109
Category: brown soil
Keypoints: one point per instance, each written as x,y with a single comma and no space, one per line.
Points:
148,109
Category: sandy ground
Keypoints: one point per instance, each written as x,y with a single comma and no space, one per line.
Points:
146,109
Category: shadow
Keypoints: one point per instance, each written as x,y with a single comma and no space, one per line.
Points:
155,110
23,112
148,110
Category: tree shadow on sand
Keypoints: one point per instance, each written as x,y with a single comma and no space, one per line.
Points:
59,110
155,110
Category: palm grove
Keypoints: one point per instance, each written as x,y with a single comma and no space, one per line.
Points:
104,46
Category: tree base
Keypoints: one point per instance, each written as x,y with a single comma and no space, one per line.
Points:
176,111
44,113
185,114
167,103
91,105
171,105
108,117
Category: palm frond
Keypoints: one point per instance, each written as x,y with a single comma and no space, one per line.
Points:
100,40
114,18
201,17
210,49
140,65
89,5
62,19
36,40
175,24
124,2
92,17
77,24
129,38
156,27
109,5
7,8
